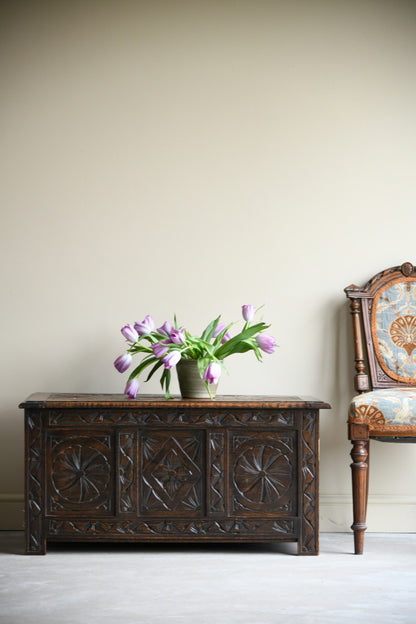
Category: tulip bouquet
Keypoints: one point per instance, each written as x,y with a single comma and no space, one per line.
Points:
165,346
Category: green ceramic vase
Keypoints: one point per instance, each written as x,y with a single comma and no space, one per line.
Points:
190,382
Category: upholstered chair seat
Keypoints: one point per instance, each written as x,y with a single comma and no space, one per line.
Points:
394,408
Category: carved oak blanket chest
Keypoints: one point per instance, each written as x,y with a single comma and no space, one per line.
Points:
106,468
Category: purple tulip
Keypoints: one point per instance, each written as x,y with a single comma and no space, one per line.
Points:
171,359
226,337
123,362
159,349
248,312
130,333
165,329
132,388
145,327
266,343
219,328
212,373
177,336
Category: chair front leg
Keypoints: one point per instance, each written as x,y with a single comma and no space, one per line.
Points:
367,446
359,471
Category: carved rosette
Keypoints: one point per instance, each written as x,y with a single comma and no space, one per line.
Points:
34,537
263,473
309,538
80,476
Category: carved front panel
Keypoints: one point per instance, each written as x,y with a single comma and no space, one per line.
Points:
172,473
80,473
263,473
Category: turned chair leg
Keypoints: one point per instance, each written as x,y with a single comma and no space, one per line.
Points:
359,470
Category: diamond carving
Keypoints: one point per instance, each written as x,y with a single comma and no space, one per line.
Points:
172,477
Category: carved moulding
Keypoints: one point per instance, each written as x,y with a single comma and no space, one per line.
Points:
127,492
309,542
34,536
216,503
174,528
59,417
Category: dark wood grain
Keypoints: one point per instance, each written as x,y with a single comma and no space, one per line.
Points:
46,400
101,467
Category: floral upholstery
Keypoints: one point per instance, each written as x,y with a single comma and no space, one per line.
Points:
385,409
393,327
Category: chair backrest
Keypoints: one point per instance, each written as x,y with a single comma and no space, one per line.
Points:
385,308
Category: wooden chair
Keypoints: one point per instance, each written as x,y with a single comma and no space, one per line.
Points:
384,314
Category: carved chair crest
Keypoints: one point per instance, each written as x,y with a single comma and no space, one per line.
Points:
384,319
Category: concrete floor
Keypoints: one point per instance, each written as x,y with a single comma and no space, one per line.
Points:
228,584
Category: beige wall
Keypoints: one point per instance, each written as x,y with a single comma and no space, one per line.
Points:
189,157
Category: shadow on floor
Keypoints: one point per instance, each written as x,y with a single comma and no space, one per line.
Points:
12,542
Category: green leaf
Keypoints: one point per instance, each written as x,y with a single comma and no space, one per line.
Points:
209,349
165,381
209,391
257,352
154,369
221,335
202,364
210,329
243,347
140,368
168,377
233,345
140,348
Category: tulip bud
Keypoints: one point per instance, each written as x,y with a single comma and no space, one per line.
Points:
177,336
171,359
130,333
219,328
123,362
159,349
165,329
145,327
132,388
248,312
266,343
212,373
